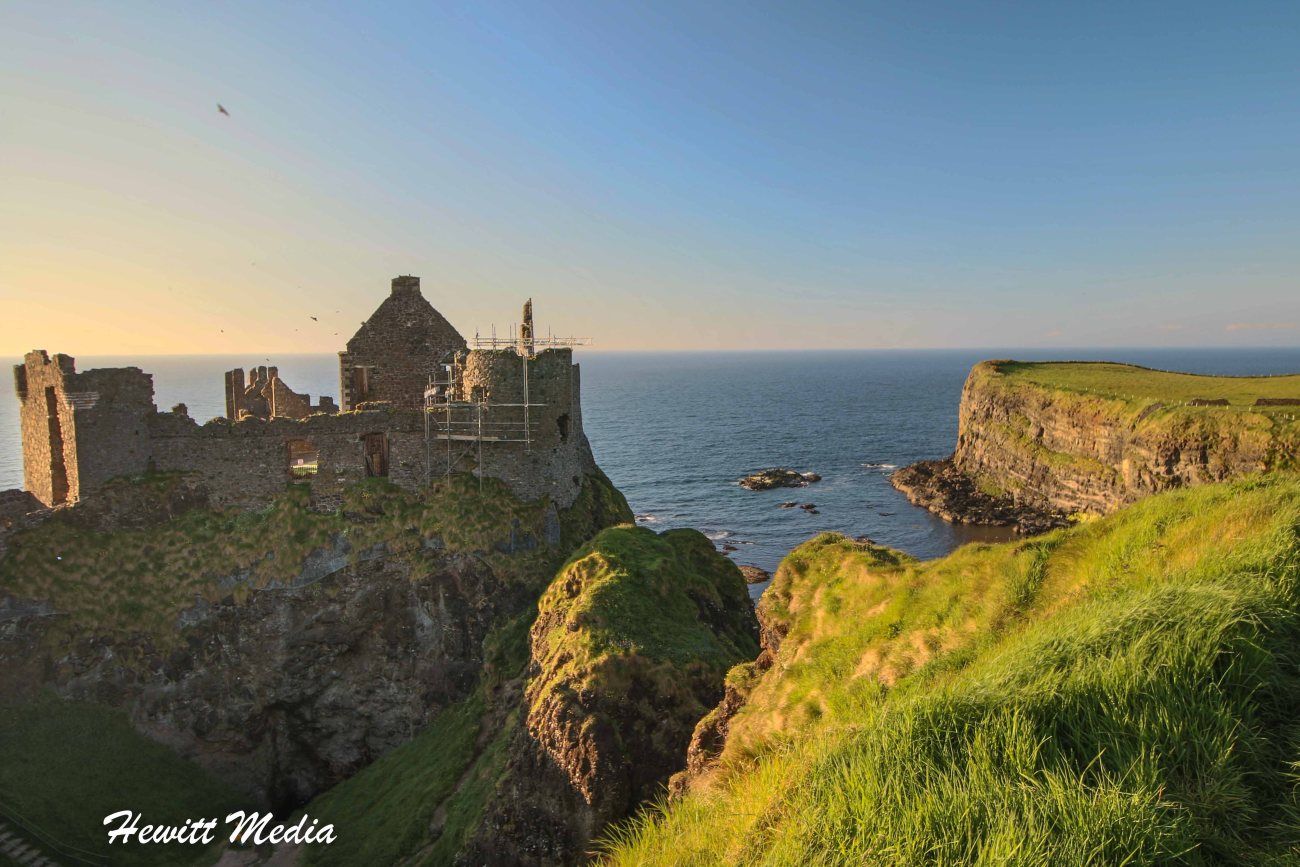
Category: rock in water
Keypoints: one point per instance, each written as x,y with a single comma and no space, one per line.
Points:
778,477
755,575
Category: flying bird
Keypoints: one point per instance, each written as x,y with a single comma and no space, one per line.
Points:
221,108
314,319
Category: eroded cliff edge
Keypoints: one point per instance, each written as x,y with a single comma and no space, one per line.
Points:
1040,442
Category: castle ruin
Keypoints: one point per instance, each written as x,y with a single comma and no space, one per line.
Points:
416,402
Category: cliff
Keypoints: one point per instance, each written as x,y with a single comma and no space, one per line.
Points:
630,648
1040,442
583,717
282,650
1121,692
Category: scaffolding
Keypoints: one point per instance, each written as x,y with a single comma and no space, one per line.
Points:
466,422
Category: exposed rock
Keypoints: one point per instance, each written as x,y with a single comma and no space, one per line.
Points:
778,477
284,687
789,504
629,650
943,489
755,575
1027,454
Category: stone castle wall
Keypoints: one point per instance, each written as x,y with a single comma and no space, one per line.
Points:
80,429
557,457
246,463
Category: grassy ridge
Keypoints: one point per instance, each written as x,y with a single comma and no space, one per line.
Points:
631,601
1127,691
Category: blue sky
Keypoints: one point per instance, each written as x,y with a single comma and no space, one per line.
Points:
667,175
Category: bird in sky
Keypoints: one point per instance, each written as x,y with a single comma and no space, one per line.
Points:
221,108
314,319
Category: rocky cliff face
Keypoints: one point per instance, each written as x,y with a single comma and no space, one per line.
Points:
630,649
282,650
1030,453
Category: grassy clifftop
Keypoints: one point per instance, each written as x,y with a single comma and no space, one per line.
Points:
1126,691
1141,384
129,581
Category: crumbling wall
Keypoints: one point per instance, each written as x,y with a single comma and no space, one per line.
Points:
265,395
246,463
80,429
396,350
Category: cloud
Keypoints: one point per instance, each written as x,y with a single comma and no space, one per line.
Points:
1055,332
1260,326
1171,326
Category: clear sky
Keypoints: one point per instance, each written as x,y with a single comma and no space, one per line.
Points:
667,175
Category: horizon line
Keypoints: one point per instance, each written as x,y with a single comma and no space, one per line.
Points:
729,351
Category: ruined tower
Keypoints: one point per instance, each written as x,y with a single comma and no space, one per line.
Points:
396,350
80,429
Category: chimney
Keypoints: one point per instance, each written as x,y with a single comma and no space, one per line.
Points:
406,284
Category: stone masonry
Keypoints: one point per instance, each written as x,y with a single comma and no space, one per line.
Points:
393,354
265,395
81,429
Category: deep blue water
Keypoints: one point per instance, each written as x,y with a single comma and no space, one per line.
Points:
675,431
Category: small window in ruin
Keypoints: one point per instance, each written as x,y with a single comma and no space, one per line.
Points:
375,453
304,459
360,385
563,424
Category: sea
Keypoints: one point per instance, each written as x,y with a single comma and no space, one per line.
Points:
676,431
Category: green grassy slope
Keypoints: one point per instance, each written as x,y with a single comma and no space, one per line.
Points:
632,605
1122,692
132,582
1129,382
388,812
67,765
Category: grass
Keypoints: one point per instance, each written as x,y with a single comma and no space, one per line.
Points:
1140,384
626,605
1122,692
1155,404
382,814
631,592
635,629
64,766
136,582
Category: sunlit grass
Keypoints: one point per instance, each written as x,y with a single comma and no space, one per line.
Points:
1124,692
